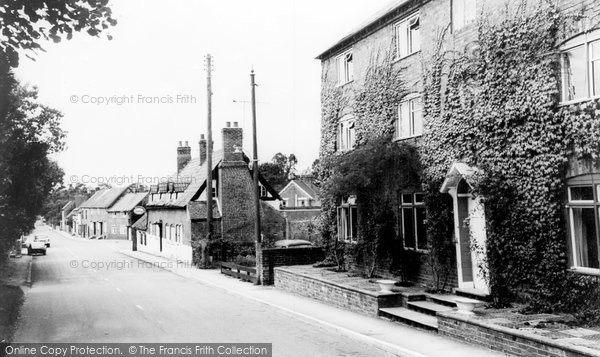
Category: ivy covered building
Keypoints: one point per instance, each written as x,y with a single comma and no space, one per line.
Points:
496,103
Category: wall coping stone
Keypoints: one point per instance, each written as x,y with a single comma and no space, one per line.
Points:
375,294
453,315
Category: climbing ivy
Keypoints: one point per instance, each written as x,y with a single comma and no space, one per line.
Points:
500,113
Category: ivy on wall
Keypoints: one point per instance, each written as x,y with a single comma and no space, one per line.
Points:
374,171
500,113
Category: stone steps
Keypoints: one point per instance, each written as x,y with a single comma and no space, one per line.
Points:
410,317
427,307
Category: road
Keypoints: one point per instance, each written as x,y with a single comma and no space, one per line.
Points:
70,301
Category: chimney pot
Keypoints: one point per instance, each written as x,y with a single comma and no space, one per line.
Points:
180,143
201,136
228,124
235,124
186,143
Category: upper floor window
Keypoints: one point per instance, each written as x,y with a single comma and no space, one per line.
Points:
345,68
408,40
410,118
580,60
346,133
463,13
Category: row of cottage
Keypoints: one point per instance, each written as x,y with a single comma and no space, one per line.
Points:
168,217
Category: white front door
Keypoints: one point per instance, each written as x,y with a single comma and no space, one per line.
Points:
477,230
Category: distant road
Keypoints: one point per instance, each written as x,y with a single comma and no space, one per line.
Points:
131,302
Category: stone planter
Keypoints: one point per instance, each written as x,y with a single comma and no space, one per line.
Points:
465,306
386,285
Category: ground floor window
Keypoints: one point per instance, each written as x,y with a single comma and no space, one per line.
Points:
583,216
412,216
348,221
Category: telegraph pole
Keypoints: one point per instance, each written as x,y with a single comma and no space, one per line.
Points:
255,163
209,149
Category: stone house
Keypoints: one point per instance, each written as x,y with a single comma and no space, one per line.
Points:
94,211
301,205
176,210
408,30
121,215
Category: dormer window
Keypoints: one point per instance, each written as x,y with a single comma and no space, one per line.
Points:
345,68
408,39
580,61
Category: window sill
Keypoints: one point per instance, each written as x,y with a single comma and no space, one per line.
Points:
348,241
338,85
418,250
398,59
585,271
408,137
577,101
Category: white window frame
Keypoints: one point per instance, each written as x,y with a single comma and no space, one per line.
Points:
345,67
406,111
585,41
582,204
407,35
345,226
346,136
464,13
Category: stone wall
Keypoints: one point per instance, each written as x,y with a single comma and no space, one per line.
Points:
277,257
506,340
360,301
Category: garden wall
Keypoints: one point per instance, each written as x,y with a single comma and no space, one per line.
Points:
277,257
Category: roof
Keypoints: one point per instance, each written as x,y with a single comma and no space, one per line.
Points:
457,172
305,185
198,210
104,198
67,206
141,224
128,202
190,180
363,28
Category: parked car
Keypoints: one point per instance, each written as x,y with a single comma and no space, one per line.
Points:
292,243
35,246
45,239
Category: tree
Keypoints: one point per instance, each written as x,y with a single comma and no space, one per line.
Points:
26,22
29,132
280,170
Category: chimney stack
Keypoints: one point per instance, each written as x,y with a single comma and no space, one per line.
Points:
232,143
184,155
203,149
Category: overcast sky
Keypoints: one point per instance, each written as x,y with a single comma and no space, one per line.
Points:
158,51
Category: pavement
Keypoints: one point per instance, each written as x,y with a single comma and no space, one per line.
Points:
133,296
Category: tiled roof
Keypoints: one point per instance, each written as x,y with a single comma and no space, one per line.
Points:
198,210
362,27
309,187
142,223
128,202
194,176
104,198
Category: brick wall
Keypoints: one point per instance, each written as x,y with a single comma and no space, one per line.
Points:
363,302
503,339
277,257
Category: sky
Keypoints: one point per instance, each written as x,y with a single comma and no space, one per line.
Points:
110,91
